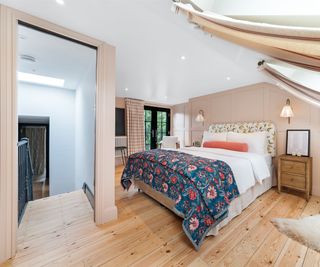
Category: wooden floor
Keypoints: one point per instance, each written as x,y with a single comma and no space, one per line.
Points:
40,190
59,231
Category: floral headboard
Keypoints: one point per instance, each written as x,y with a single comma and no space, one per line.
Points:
249,127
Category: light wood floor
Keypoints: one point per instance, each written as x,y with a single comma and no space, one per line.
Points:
40,190
58,231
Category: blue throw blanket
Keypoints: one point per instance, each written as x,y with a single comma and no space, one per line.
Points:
201,188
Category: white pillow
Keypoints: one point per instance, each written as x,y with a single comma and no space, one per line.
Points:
207,136
257,142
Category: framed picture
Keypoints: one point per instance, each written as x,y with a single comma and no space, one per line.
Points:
298,143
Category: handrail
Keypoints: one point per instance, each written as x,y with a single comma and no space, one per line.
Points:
25,139
25,175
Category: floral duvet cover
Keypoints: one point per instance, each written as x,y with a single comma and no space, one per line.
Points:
201,188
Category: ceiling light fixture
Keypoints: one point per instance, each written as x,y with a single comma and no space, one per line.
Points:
28,58
38,79
183,58
228,78
60,2
22,37
126,89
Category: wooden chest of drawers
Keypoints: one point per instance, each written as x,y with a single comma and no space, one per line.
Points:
295,173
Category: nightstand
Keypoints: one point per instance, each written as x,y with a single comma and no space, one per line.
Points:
295,173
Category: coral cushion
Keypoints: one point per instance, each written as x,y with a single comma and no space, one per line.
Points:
235,146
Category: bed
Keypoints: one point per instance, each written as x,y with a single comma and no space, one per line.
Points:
234,178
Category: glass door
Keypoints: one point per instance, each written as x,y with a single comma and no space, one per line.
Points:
157,125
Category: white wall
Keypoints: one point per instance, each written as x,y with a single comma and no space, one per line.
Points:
85,129
72,129
58,104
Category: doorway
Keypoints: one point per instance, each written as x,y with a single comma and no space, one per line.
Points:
105,208
56,83
157,125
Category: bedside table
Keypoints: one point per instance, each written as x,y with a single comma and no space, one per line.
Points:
295,173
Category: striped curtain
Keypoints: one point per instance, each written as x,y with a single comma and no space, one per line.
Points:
135,125
295,45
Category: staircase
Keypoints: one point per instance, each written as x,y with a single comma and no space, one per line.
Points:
25,174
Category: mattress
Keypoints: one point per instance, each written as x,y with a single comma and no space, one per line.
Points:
268,159
242,202
248,168
245,199
252,173
249,191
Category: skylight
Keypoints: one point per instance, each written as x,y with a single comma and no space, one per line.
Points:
38,79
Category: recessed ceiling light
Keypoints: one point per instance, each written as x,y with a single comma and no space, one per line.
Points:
38,79
126,89
28,58
228,78
22,37
60,2
183,57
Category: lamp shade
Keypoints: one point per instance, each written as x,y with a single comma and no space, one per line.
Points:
200,116
287,110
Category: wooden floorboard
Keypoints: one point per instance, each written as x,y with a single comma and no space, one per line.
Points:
59,231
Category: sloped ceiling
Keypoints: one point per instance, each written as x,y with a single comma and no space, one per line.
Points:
262,7
150,41
285,12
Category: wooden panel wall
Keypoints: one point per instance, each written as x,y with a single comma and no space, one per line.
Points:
261,101
8,135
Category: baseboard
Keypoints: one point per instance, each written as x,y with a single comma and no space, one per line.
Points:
89,194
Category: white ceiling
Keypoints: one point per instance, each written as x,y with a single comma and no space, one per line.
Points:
292,20
150,41
285,12
283,8
55,57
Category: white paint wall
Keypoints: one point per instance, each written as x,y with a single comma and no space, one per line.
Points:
72,129
85,129
59,105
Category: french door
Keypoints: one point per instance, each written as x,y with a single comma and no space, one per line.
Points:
157,125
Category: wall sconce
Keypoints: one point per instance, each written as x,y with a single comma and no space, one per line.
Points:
200,116
287,111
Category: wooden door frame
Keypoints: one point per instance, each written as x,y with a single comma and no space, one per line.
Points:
105,208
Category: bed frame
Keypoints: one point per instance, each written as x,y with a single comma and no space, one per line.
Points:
250,127
159,197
